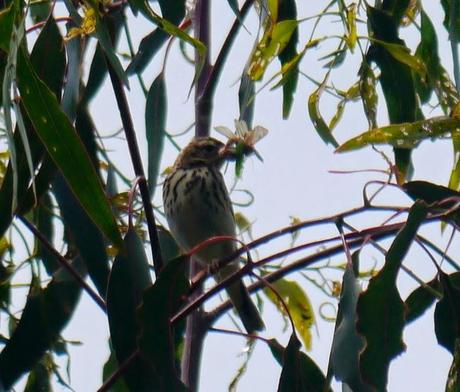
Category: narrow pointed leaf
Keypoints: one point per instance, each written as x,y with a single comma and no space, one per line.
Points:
130,275
299,372
6,26
155,128
46,313
246,98
447,314
98,68
347,343
317,119
418,302
85,235
405,135
48,45
166,25
453,379
156,341
288,11
381,310
65,148
174,12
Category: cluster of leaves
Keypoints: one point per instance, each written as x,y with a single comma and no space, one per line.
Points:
52,172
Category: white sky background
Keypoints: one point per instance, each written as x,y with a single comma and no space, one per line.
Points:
293,180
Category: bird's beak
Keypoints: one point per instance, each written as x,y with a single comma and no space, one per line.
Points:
236,151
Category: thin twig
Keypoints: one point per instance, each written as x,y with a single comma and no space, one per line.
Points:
120,371
218,66
64,263
135,155
354,240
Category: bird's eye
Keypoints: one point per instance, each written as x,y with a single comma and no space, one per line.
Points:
209,148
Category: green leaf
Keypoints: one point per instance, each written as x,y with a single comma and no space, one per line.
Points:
6,272
396,78
156,340
432,193
447,314
44,215
318,121
166,25
40,11
111,367
451,22
454,179
246,98
169,248
46,313
405,135
155,128
49,44
429,192
71,94
173,11
288,11
98,68
148,47
427,51
85,236
298,305
129,277
299,372
105,40
6,26
347,343
39,379
453,379
381,310
65,148
418,302
402,54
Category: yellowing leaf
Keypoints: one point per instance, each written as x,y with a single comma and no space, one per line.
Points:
273,42
352,35
273,9
88,25
367,83
4,246
298,305
404,135
318,121
242,222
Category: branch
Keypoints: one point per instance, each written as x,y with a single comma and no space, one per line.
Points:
353,240
119,372
216,70
130,133
65,264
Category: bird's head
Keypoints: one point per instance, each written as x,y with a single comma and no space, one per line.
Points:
202,151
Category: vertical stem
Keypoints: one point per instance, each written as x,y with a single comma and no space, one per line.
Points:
203,105
196,327
453,41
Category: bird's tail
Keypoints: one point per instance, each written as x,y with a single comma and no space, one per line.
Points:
242,301
245,308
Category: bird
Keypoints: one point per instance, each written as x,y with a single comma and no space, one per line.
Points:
197,207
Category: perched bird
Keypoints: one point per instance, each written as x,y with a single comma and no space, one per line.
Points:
198,207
